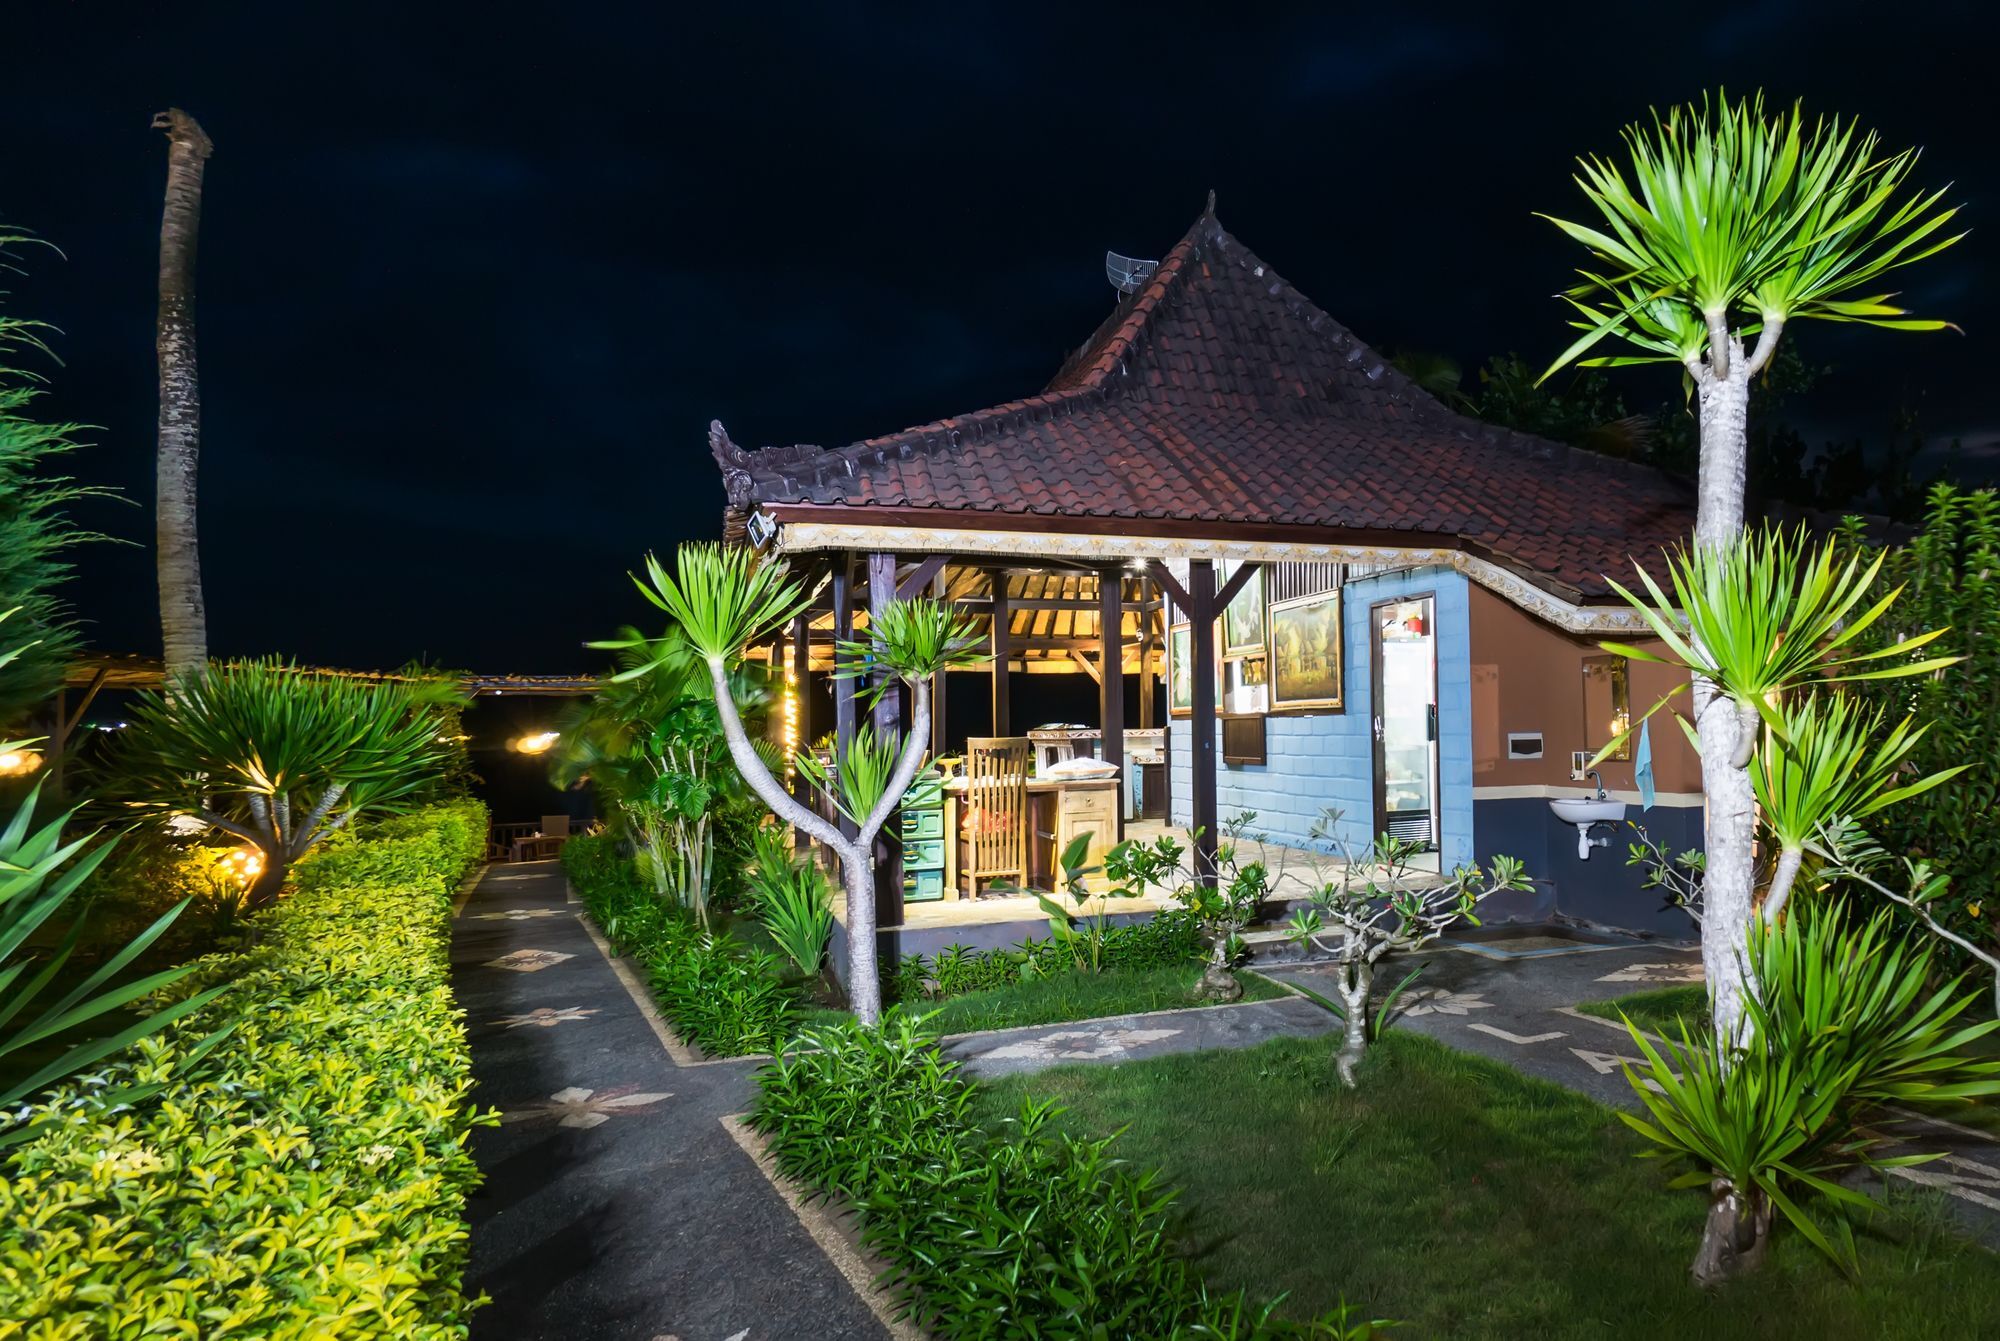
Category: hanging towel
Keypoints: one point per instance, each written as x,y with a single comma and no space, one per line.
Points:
1643,768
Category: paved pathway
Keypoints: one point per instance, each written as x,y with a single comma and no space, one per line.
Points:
1132,1038
616,1204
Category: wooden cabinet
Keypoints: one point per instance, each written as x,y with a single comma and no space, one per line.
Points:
1088,808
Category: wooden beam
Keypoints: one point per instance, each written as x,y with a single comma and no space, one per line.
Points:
978,605
920,577
1145,668
1002,651
802,700
939,740
843,690
1237,581
1159,573
1088,666
1111,686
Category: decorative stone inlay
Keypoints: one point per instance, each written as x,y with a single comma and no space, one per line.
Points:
517,915
529,961
577,1107
1078,1045
1440,1001
548,1017
1654,971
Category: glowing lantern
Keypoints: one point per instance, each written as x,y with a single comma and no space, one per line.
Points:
245,864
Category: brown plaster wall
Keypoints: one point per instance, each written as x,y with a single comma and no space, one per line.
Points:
1528,676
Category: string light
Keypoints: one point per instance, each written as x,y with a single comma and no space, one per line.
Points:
790,721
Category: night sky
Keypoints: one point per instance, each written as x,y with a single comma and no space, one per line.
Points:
474,278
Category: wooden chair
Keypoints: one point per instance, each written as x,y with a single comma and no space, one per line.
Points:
995,823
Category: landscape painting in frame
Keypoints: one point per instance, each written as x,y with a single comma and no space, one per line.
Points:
1243,621
1180,656
1305,652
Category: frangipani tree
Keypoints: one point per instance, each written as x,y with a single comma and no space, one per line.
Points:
1724,225
280,757
726,599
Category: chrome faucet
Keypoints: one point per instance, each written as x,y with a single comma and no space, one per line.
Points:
1594,776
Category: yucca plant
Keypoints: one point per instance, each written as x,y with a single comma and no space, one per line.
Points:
1725,223
722,600
791,900
39,873
279,757
1843,1024
1756,621
1831,758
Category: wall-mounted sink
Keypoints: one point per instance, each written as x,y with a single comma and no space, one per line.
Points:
1585,812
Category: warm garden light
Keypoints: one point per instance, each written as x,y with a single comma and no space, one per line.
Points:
245,865
17,763
541,742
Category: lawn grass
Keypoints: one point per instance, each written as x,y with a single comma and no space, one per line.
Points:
1661,1011
1080,996
1472,1201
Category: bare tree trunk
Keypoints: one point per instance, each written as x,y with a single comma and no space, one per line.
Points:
1356,980
1728,888
1218,982
1737,1236
183,616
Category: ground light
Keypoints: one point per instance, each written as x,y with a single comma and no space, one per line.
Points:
16,763
245,864
541,742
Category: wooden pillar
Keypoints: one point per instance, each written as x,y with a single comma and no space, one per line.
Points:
1111,683
940,742
843,690
1002,722
1202,718
889,730
802,705
1145,622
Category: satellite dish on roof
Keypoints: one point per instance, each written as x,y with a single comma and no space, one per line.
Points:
1127,273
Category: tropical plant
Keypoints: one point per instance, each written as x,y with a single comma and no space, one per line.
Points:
280,757
183,615
723,600
35,535
1726,225
1222,899
1377,906
324,1100
1843,1025
1761,622
790,898
1949,576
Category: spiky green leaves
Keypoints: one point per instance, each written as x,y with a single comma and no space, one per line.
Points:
1834,760
912,640
723,599
1725,211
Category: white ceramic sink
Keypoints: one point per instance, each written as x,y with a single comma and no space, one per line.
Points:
1586,810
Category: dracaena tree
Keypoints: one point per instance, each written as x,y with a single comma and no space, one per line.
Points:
723,600
280,757
1723,224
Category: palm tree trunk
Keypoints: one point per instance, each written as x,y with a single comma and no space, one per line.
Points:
183,616
1728,887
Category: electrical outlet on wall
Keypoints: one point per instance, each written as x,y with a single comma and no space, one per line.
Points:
1579,760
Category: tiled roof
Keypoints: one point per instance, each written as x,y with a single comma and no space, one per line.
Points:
1218,393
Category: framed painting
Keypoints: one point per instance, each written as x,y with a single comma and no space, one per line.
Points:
1180,684
1243,621
1306,652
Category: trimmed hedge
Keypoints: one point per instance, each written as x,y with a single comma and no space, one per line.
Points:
1169,939
724,996
306,1175
1025,1233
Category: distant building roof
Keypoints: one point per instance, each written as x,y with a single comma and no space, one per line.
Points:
1218,393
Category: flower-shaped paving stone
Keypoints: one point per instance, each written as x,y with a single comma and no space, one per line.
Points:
529,961
1438,1001
546,1017
1071,1045
1653,971
575,1107
517,915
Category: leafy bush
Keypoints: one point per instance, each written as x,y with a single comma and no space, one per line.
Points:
1168,939
148,873
402,849
1950,576
723,996
302,1170
1028,1232
790,898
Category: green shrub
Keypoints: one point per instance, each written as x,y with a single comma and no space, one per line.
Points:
435,846
303,1174
722,995
1023,1233
1168,939
144,876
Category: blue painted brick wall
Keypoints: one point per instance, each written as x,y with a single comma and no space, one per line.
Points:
1326,759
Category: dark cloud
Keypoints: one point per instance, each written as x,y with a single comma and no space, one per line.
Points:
475,278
